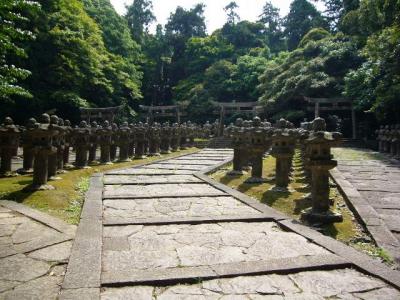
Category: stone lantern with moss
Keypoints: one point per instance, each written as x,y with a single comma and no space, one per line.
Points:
27,146
140,137
175,137
9,140
42,140
123,141
237,136
166,133
105,133
80,138
321,161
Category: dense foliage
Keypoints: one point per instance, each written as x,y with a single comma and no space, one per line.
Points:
59,55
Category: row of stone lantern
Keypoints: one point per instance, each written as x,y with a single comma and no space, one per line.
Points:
388,138
46,144
252,139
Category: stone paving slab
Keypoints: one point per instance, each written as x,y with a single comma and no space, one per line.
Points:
176,167
336,284
189,162
159,190
175,207
177,246
150,179
150,171
33,255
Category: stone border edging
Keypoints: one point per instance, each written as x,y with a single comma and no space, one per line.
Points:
367,215
40,217
357,259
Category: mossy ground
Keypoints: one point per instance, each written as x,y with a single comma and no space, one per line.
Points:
293,202
66,200
356,154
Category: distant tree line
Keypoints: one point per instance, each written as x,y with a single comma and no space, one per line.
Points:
64,54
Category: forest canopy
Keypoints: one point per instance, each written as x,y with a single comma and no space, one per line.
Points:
59,55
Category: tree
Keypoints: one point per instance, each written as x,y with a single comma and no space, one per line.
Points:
183,25
273,27
12,35
232,15
139,16
303,16
71,66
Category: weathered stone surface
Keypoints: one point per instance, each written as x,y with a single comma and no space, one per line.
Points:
159,247
159,190
342,284
149,171
139,293
47,287
81,294
189,162
7,229
175,167
7,285
175,207
149,179
21,268
58,252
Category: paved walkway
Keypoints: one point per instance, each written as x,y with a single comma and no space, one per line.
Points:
166,231
373,188
34,252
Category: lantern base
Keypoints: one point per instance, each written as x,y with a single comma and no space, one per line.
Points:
327,217
278,189
235,173
25,171
255,180
39,187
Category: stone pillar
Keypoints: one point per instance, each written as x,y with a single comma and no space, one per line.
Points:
81,142
320,143
9,140
132,141
42,141
175,137
105,132
124,142
140,137
166,135
68,142
113,146
93,142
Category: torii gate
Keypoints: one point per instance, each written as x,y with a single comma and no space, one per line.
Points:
163,111
333,104
251,108
104,113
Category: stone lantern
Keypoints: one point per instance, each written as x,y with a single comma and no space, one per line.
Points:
94,141
68,143
154,140
53,156
61,137
258,138
81,143
9,140
166,136
123,140
113,146
190,134
283,147
132,141
105,133
321,161
28,153
175,137
239,147
207,130
140,137
397,141
42,141
183,136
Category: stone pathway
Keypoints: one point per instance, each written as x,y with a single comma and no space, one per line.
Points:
167,231
373,188
34,252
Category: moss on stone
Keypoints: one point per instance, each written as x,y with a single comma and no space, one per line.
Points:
66,200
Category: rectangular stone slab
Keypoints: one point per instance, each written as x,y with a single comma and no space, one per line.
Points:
189,162
175,167
157,248
316,284
149,171
175,207
149,179
160,190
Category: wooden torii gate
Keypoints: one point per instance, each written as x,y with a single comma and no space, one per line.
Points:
99,114
333,104
163,111
228,108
